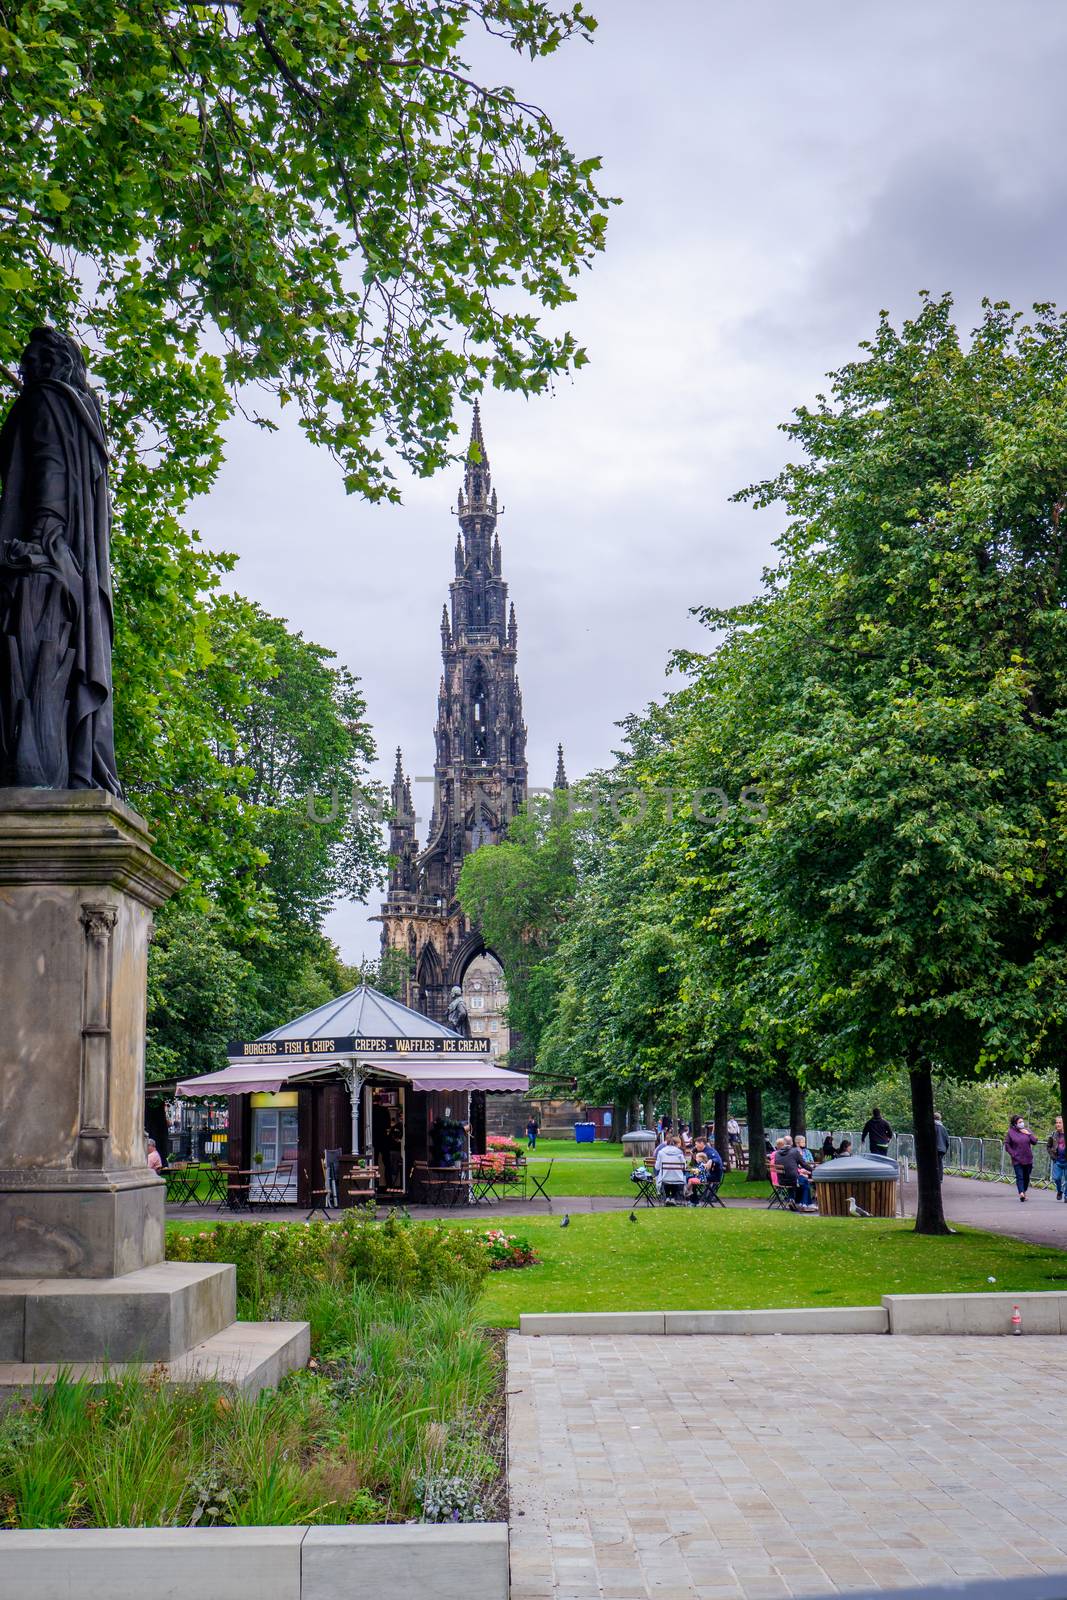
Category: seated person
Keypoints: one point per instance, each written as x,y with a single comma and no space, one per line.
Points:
828,1149
793,1174
807,1160
845,1147
709,1169
670,1170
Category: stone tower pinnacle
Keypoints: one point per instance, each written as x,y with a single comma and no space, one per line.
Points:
480,775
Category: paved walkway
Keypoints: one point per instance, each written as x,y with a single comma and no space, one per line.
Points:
995,1207
763,1467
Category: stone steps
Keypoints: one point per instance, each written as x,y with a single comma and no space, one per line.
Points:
244,1357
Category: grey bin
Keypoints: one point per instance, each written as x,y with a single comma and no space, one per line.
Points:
639,1142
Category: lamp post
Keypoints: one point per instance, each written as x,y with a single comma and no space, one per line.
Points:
355,1077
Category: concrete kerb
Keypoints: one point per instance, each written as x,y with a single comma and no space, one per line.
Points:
1042,1312
454,1560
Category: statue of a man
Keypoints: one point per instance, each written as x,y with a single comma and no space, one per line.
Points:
56,626
458,1020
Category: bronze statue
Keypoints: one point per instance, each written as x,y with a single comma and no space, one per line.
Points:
56,625
458,1020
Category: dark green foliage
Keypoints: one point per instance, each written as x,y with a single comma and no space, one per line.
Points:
275,1261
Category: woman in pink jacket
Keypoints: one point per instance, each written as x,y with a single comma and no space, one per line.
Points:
1019,1143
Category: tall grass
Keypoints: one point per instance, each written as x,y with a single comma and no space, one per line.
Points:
393,1405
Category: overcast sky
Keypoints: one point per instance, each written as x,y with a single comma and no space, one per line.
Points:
786,171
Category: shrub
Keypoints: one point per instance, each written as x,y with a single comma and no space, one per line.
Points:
276,1260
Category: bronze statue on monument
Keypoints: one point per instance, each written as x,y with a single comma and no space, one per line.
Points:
56,626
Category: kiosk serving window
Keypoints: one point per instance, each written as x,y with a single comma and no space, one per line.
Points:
275,1131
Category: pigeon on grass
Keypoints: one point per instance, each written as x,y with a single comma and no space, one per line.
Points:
566,1222
633,1216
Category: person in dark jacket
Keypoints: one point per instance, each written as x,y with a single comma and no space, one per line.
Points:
1019,1143
793,1173
829,1149
941,1140
1056,1144
877,1133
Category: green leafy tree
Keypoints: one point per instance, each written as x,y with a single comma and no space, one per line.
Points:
907,666
290,767
322,205
517,892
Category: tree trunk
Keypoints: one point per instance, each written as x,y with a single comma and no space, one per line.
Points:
722,1114
697,1114
649,1113
797,1112
929,1212
617,1114
757,1155
674,1109
634,1118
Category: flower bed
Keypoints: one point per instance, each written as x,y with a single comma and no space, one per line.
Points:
507,1250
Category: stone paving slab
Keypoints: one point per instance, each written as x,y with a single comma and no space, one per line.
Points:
777,1467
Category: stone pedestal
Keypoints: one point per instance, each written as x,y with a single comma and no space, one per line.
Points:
83,1283
78,886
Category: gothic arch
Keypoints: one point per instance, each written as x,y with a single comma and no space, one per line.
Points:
429,967
467,950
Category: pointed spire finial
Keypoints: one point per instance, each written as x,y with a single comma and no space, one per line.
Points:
513,627
561,771
398,771
477,493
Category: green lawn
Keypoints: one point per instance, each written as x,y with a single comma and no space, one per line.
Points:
602,1169
681,1260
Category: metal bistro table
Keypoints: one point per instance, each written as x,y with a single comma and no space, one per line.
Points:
645,1184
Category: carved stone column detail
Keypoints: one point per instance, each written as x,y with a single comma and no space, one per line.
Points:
99,924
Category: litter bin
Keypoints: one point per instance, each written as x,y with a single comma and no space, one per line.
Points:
640,1142
584,1132
870,1180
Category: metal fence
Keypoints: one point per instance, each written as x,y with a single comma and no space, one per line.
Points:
980,1158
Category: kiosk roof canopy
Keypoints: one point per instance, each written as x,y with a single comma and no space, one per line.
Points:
365,1013
342,1031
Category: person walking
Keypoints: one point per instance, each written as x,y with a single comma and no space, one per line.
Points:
941,1138
1057,1155
531,1133
1019,1143
877,1133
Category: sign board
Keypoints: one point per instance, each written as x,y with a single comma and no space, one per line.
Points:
273,1049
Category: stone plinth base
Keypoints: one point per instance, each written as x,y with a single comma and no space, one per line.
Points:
156,1314
245,1357
78,886
80,1227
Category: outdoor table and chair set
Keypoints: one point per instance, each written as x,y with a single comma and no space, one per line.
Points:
348,1181
644,1182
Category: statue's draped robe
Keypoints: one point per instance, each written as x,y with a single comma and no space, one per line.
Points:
56,624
